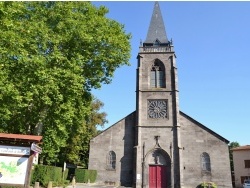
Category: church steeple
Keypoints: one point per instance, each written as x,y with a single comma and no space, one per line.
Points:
156,31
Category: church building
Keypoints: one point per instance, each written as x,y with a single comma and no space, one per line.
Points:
157,145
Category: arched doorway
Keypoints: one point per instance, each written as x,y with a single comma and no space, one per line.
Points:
158,169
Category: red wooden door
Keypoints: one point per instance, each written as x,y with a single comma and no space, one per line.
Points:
157,176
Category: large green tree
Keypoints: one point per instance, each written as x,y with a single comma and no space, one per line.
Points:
51,55
77,149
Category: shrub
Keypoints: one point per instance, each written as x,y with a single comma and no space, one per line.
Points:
208,185
92,175
84,175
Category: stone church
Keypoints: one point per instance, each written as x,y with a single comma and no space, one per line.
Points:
158,145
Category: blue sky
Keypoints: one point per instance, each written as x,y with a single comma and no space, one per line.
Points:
212,44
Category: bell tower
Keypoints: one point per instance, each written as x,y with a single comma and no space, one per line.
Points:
157,149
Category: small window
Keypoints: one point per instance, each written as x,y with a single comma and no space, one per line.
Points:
205,162
157,43
111,160
157,75
247,163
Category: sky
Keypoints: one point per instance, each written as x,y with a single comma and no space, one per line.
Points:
212,45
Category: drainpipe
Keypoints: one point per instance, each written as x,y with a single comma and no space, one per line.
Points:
143,164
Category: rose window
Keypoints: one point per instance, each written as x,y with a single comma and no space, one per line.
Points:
157,109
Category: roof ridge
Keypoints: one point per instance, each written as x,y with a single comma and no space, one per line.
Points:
244,147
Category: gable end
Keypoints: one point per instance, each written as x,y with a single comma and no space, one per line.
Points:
131,114
204,127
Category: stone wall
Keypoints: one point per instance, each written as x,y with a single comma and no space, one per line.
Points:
197,139
120,139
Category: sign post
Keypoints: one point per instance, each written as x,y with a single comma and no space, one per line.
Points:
36,148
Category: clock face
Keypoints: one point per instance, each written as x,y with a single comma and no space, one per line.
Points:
157,109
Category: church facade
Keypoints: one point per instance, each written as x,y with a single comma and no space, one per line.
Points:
158,145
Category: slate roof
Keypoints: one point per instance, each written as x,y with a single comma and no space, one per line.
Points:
156,30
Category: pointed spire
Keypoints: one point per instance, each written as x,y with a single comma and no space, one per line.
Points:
156,30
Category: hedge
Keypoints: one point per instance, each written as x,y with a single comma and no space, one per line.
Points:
43,174
85,175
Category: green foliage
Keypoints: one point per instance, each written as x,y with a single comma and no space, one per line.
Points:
95,118
65,174
208,185
231,146
92,175
77,149
81,175
85,176
51,55
44,174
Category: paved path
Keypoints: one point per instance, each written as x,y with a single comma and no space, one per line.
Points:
84,185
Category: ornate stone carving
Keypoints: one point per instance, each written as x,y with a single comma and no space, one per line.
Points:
157,109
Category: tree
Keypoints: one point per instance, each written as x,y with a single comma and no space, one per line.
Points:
78,153
51,55
231,146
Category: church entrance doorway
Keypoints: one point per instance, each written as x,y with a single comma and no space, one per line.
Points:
157,176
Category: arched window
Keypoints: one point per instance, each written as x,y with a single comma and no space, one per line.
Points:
111,160
205,162
157,75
